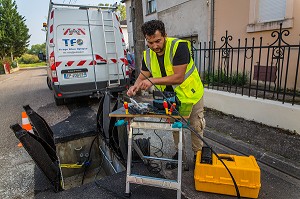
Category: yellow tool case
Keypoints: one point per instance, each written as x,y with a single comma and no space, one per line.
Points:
216,179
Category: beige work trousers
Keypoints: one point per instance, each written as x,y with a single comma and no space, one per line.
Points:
197,122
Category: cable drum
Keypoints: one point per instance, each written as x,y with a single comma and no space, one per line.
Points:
144,145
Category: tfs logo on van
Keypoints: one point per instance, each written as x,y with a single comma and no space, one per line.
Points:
78,31
72,42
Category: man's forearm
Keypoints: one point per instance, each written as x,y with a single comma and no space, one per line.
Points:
138,80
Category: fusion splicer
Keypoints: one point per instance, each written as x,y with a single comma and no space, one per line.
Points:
158,99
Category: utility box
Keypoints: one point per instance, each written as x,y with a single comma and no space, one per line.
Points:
215,178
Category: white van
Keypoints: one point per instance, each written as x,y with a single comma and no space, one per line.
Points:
85,51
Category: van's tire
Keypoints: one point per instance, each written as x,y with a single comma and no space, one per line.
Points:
49,83
59,101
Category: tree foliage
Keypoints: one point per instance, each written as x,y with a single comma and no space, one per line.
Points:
121,8
37,48
14,37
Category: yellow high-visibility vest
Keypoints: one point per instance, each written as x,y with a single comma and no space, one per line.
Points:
191,89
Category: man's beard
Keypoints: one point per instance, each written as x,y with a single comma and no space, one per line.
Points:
160,50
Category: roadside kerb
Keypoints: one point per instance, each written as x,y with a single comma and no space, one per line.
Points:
273,160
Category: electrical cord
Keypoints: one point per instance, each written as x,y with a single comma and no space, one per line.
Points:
196,133
155,167
144,145
88,160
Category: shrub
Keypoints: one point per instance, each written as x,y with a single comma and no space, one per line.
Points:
28,59
220,77
14,64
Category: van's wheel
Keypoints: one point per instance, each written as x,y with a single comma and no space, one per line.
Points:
49,83
59,101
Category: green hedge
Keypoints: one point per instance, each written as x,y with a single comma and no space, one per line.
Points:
28,59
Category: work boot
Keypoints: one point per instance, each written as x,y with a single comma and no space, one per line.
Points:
172,165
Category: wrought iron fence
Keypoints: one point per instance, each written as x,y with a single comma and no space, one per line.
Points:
268,72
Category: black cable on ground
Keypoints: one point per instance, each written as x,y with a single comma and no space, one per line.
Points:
88,159
196,133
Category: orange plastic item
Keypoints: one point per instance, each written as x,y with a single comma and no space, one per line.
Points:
126,108
166,107
172,108
215,178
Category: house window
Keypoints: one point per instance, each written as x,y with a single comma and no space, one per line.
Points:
268,14
151,6
271,10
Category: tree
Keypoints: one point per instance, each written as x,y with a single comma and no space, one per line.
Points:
121,8
37,48
14,37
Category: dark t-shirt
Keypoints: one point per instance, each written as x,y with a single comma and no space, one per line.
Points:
182,56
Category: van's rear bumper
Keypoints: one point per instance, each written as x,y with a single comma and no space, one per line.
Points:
79,90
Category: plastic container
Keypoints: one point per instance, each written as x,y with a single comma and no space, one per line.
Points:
215,178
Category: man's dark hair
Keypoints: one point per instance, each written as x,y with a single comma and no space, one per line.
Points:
150,27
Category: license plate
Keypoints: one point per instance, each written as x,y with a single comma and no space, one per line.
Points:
75,75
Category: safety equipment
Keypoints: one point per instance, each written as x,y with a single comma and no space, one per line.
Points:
25,123
191,89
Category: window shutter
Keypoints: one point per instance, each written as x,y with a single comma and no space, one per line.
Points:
271,10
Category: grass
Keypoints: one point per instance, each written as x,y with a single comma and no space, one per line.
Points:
32,65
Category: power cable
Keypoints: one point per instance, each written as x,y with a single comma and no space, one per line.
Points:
88,162
196,133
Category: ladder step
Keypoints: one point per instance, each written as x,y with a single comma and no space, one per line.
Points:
110,42
108,30
114,85
158,182
107,19
161,159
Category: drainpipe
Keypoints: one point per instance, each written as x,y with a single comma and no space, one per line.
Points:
212,26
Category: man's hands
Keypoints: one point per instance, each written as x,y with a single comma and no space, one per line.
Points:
143,85
132,90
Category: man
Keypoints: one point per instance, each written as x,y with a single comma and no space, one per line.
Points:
169,65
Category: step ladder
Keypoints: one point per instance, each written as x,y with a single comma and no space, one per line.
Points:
109,29
148,180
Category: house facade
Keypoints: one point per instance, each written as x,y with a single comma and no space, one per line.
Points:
182,18
261,19
253,40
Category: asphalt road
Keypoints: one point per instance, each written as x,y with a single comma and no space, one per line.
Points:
18,171
18,89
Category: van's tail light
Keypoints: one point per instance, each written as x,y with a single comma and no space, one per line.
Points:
53,69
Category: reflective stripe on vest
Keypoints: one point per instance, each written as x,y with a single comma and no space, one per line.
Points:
148,60
191,89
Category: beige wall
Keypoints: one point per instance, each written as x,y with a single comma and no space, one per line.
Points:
233,15
237,17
